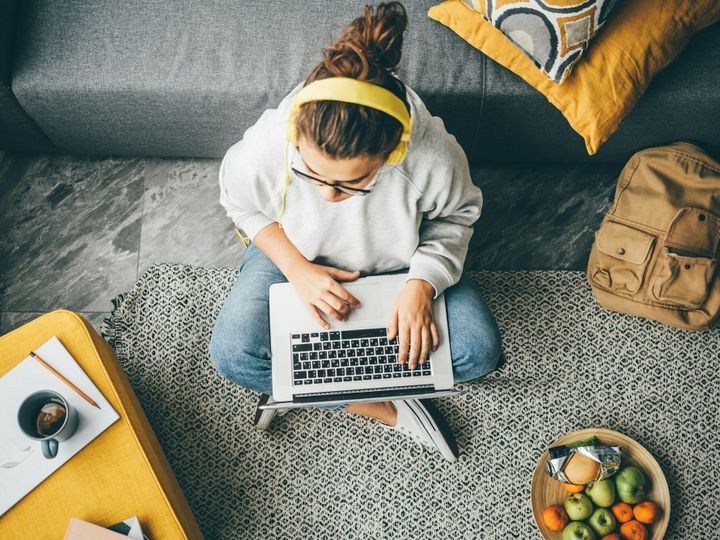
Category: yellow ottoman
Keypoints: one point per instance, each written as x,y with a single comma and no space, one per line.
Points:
120,474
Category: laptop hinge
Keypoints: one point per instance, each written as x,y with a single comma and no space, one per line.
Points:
359,394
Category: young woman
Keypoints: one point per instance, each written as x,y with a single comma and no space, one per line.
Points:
347,213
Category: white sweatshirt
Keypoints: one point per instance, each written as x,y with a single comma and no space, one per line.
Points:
419,214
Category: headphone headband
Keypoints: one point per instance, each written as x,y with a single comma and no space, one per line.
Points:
350,90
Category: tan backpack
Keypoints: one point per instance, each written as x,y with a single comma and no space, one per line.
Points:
656,252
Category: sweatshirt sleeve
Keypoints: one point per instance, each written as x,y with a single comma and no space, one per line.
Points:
451,204
249,175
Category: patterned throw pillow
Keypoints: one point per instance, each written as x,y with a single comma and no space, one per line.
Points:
552,33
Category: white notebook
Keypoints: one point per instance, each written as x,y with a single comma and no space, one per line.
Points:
22,465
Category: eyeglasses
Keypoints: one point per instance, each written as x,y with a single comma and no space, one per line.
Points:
317,182
339,187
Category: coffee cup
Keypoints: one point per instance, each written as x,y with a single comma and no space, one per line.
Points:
47,417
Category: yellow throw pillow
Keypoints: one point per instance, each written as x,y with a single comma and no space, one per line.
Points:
642,38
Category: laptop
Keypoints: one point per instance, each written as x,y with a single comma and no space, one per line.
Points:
353,360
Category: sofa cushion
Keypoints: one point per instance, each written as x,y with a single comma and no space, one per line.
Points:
187,78
139,78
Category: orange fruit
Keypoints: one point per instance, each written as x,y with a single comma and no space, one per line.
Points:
611,536
555,517
633,530
572,488
646,512
623,512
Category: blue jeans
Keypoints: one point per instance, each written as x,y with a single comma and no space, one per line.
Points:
240,343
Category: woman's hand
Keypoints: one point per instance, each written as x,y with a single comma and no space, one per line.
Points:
319,290
413,321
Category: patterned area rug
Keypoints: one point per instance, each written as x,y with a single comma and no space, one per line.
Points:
568,365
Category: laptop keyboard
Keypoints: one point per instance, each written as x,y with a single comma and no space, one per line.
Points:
349,355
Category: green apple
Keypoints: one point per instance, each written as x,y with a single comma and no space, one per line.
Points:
577,530
630,483
602,493
602,521
578,506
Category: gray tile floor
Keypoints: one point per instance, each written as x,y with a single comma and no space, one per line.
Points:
75,230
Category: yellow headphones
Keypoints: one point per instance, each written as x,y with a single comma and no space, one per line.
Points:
347,90
354,91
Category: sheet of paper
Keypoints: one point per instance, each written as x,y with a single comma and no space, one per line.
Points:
136,532
22,465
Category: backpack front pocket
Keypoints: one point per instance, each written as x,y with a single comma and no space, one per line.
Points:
622,258
694,231
686,266
682,281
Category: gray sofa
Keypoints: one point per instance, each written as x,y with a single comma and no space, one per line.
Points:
186,78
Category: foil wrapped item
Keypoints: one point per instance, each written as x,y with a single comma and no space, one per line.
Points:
608,460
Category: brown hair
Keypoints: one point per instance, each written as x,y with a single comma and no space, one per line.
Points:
368,50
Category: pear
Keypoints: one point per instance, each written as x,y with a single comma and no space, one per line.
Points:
602,493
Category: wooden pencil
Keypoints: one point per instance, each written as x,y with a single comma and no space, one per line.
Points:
63,379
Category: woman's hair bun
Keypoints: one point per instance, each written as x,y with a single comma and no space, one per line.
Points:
371,41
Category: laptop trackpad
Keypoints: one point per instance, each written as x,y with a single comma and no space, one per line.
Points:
370,297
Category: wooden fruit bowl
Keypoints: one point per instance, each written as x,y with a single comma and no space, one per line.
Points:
546,491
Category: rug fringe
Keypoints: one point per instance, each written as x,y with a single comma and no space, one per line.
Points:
109,326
